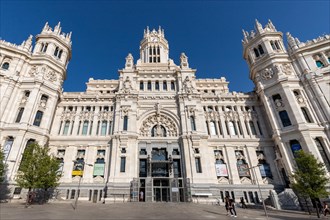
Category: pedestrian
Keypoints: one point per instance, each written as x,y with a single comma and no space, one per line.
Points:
141,196
232,208
244,206
227,204
325,208
319,207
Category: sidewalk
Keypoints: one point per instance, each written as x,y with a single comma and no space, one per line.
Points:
159,211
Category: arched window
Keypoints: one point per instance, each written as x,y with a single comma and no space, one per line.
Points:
273,45
157,85
284,118
261,50
256,52
277,45
60,54
37,119
66,127
5,66
164,86
85,128
172,86
44,47
323,153
306,115
56,51
149,85
319,64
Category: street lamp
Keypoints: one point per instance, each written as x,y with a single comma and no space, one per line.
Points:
80,177
255,176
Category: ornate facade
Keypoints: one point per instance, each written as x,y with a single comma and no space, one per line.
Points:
158,129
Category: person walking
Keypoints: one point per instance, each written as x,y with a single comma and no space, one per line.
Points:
244,206
325,208
227,204
232,208
141,196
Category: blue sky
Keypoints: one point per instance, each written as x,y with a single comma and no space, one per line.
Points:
209,32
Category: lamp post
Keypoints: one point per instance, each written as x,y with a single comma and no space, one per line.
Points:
255,176
80,177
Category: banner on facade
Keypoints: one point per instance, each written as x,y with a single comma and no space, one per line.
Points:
78,168
7,148
243,169
221,169
98,169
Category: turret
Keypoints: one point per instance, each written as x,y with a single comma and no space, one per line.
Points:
261,42
154,47
54,43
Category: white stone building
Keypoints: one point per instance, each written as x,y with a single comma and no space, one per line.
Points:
158,129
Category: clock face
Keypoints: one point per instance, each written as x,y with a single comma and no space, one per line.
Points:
154,39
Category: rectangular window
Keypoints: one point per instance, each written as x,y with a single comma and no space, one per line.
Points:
125,123
72,127
109,129
19,116
259,128
157,85
98,127
122,164
141,86
79,128
66,127
284,118
176,168
192,122
253,129
198,165
143,168
37,119
104,128
85,128
91,128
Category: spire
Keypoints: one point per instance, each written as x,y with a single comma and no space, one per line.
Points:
245,34
258,27
46,27
271,26
291,40
57,28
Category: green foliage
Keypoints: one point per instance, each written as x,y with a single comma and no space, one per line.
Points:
310,176
2,166
38,169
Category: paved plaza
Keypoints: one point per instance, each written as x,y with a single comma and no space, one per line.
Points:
159,211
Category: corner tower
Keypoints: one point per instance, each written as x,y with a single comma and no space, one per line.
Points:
289,106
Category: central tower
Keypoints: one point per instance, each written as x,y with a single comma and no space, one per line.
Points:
154,47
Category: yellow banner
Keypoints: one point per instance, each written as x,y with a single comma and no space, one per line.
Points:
77,173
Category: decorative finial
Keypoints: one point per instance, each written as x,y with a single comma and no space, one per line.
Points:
258,27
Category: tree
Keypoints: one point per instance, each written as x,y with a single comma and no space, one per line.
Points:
2,166
309,177
38,170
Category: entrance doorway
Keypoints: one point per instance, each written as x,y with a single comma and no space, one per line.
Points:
161,190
